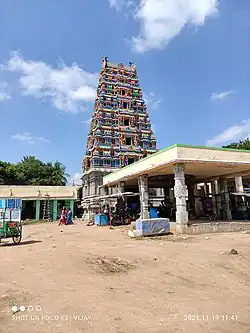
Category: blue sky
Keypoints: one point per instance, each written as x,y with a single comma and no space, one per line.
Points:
192,57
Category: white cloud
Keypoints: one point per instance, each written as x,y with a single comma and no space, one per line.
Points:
86,122
76,179
69,88
153,127
4,92
152,101
120,4
223,95
28,137
162,20
234,133
4,96
117,4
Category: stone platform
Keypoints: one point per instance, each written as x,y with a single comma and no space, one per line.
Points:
154,227
217,227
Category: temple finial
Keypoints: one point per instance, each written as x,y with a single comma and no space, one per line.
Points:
104,62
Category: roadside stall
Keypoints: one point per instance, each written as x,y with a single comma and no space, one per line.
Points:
10,219
112,208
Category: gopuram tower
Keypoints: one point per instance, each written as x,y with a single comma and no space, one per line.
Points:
120,131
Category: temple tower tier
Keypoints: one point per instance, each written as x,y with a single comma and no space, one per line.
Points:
120,131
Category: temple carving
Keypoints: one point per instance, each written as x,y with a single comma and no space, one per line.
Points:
120,131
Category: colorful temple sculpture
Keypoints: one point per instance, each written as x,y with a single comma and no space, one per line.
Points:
120,131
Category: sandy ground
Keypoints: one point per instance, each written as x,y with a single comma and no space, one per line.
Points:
96,279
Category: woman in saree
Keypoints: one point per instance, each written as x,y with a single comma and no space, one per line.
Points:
63,216
69,216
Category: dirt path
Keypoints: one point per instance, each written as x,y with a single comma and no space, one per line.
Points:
90,279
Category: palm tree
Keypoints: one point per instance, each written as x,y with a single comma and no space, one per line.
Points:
56,173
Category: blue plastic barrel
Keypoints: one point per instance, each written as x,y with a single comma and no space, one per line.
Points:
101,219
153,213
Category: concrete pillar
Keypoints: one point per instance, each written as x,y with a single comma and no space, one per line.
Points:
38,202
239,184
225,200
143,190
54,213
181,194
72,206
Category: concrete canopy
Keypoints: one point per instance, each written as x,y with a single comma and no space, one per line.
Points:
202,163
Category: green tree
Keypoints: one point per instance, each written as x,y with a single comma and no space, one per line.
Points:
32,171
8,175
53,174
29,171
245,145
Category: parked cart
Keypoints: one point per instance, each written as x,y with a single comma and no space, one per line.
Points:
10,219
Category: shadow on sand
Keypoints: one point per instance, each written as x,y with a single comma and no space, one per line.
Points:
28,242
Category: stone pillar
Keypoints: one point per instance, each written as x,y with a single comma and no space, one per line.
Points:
197,201
239,184
209,185
166,193
171,194
218,199
160,192
92,188
181,194
88,189
191,197
121,187
239,187
206,189
107,190
87,213
97,190
225,200
38,202
143,190
54,212
213,191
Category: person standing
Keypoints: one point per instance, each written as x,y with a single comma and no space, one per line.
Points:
63,216
69,217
